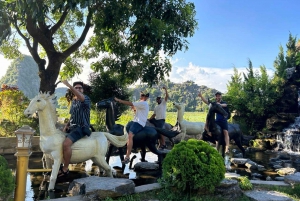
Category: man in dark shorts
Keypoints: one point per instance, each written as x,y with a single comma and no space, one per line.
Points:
220,119
158,117
79,123
140,118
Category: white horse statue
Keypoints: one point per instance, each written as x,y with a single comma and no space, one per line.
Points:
51,138
187,127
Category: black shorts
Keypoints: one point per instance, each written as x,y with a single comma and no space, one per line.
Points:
77,132
223,124
159,123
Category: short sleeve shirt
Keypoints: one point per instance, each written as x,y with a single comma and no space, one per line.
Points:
141,114
80,112
160,110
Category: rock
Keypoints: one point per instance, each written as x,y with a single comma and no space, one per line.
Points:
251,165
258,195
239,161
279,178
228,189
292,178
101,187
145,166
285,171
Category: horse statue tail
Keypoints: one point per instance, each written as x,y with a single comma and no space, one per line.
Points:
118,141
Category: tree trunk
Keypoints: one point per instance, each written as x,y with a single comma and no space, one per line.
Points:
50,74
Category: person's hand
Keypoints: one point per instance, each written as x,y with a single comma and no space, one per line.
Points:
116,99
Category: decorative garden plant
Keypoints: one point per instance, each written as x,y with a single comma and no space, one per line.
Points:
192,165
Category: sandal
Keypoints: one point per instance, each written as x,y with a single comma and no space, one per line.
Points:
126,160
62,173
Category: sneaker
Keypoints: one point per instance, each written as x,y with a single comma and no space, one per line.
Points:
126,160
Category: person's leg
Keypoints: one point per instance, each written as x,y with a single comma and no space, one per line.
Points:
74,135
129,144
67,152
134,129
162,142
226,138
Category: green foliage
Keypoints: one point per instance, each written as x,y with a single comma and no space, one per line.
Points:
106,85
12,106
127,36
192,165
7,183
252,97
245,183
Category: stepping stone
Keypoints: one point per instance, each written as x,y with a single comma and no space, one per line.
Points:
257,195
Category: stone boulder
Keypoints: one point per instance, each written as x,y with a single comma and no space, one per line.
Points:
292,178
101,187
228,189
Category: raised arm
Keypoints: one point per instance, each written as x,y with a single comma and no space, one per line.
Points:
167,95
79,95
202,98
124,102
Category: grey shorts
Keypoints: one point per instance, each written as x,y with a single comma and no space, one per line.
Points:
135,128
77,133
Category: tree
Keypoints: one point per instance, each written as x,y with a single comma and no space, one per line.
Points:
127,34
252,97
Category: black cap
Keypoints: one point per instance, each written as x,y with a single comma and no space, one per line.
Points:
77,82
218,93
144,94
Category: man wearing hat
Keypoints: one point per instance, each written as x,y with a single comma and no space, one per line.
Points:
139,121
79,124
159,116
220,119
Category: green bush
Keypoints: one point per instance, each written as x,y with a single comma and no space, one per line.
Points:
193,165
7,183
244,183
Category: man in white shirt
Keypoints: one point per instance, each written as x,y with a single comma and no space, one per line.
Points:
139,120
159,116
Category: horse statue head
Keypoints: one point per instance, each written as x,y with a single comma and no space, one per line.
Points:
107,104
40,102
214,108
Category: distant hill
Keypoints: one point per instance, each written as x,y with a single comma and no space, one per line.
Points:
60,91
24,74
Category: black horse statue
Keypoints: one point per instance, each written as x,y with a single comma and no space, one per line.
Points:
234,130
146,138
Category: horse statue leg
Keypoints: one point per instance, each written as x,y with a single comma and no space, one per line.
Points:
100,162
143,154
55,168
110,149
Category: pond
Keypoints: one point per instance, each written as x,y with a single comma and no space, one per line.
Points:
37,182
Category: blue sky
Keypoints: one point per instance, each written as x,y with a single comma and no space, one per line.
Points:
229,33
232,31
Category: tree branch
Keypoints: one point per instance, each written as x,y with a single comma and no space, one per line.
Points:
54,29
79,42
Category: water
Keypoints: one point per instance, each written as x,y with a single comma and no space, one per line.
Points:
37,183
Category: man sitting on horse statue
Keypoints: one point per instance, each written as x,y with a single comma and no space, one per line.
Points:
158,117
140,118
220,119
79,124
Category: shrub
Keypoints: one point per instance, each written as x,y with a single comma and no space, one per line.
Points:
244,183
193,164
7,183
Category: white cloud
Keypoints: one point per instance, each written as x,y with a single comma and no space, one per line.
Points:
211,77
